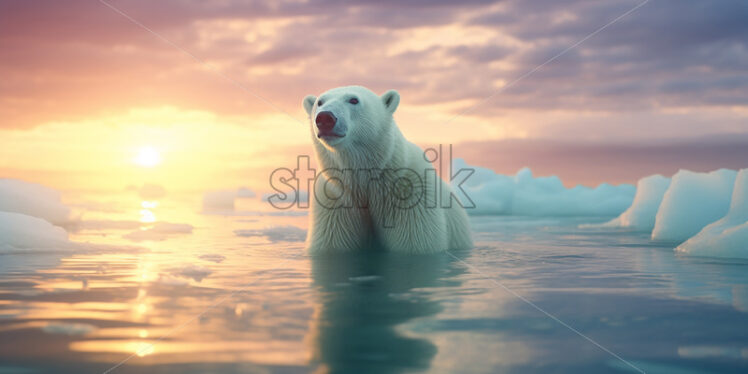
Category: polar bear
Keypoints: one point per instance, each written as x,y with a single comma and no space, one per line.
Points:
375,189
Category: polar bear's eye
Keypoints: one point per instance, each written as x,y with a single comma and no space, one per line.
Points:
320,102
353,101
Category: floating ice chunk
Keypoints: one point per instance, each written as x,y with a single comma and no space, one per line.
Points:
222,200
245,193
641,214
195,272
151,191
170,280
212,257
103,224
19,232
219,200
693,201
276,233
491,193
283,201
33,200
28,243
727,237
258,213
68,328
526,195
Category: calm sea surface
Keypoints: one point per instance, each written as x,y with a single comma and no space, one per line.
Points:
147,295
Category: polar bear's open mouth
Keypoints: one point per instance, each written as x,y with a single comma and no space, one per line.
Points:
329,135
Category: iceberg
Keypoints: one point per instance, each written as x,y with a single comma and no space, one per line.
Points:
245,193
693,201
640,216
274,234
219,200
71,329
196,272
20,232
33,200
223,200
526,195
727,237
151,191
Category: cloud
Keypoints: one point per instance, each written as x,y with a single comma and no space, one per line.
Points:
663,44
280,54
62,62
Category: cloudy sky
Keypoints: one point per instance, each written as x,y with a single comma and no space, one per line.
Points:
216,87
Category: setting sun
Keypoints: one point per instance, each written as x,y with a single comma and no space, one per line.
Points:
148,157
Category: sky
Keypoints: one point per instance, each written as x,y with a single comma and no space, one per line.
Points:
214,89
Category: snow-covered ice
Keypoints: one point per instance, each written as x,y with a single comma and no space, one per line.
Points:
245,193
286,233
66,328
693,201
727,237
640,216
151,191
526,195
20,232
32,199
196,272
223,200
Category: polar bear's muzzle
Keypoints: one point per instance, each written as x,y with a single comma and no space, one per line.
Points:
326,125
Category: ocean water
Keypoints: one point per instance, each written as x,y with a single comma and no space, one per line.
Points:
536,295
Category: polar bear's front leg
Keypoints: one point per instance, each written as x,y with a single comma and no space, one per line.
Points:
413,230
336,225
336,230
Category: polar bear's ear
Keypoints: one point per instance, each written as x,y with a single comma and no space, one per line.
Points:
391,99
309,103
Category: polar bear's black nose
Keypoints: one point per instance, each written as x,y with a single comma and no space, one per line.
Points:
325,121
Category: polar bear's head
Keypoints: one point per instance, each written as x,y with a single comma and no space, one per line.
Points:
349,116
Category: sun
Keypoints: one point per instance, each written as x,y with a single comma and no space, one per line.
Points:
148,157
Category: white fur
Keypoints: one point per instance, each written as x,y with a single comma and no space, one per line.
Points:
362,212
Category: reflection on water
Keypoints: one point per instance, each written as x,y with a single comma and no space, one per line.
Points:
147,214
208,300
362,299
